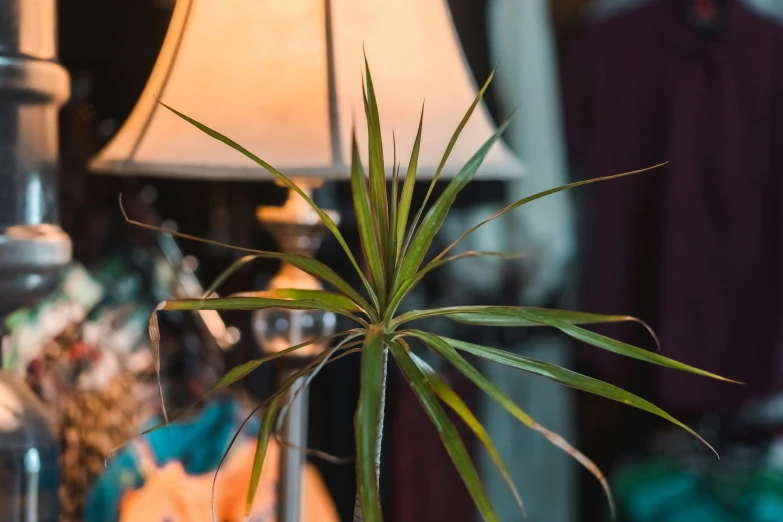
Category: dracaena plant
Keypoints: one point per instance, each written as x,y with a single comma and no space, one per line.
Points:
394,248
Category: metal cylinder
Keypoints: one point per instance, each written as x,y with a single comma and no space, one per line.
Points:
29,456
33,86
290,490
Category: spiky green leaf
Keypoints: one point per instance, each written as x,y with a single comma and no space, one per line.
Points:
367,221
437,214
446,155
378,197
323,360
568,378
306,264
518,316
448,433
445,350
407,285
534,197
455,402
255,303
228,272
367,422
391,249
331,299
243,370
262,443
407,189
613,345
327,220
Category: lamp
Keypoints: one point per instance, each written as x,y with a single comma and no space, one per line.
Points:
283,78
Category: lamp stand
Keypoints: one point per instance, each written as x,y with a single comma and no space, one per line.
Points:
298,230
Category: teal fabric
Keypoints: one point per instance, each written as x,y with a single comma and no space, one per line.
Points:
663,491
197,443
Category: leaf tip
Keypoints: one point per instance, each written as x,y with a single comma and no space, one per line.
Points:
647,327
122,208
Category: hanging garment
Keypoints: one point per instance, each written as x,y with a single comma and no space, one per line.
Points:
696,247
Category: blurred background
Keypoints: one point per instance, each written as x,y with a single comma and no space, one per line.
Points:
694,248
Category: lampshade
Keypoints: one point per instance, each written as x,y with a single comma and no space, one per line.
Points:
283,79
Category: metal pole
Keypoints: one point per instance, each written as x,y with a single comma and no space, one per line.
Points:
298,230
290,487
33,248
32,88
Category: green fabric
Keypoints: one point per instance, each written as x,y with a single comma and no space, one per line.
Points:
661,490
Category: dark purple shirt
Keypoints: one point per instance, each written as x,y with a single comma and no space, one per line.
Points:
696,246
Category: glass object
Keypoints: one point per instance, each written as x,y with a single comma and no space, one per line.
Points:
29,456
33,86
277,329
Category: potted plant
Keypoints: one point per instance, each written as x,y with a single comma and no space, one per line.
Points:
394,248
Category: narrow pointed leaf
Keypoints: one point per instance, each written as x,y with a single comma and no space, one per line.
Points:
448,433
508,316
612,345
534,197
391,250
329,298
376,163
328,222
182,413
407,188
228,272
367,423
228,449
278,395
323,360
568,378
225,303
154,333
264,431
618,347
445,350
437,214
369,227
446,155
406,285
455,402
377,172
254,303
518,316
306,264
242,370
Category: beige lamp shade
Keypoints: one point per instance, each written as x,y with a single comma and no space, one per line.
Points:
283,79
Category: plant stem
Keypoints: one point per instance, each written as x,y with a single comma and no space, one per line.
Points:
358,514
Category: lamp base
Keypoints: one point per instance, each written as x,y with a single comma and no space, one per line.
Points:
298,229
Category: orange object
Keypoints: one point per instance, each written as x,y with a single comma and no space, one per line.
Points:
171,495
